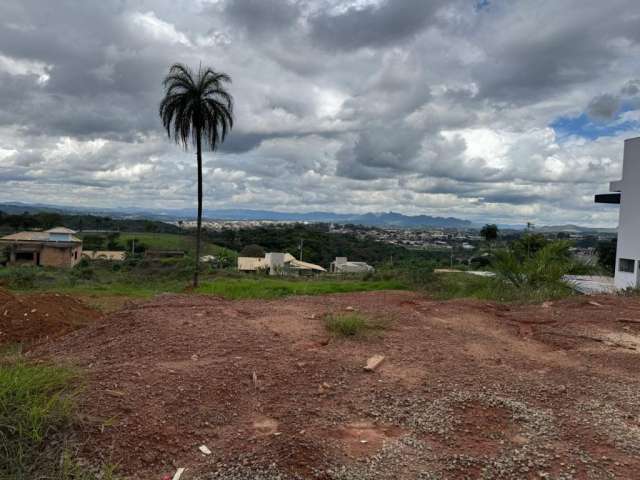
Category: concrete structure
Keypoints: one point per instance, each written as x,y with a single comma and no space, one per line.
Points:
111,255
590,284
342,265
57,247
626,192
277,263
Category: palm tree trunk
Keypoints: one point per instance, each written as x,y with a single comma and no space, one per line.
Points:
199,226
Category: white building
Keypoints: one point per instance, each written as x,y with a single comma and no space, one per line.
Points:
626,192
342,265
277,263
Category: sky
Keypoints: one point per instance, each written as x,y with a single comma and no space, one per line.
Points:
510,111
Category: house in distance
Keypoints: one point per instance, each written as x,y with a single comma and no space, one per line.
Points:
57,247
342,265
277,263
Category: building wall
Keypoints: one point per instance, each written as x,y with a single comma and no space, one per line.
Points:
629,228
60,257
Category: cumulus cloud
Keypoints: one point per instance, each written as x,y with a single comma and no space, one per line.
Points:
421,107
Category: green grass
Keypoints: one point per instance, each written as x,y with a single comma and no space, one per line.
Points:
263,287
37,410
36,404
352,324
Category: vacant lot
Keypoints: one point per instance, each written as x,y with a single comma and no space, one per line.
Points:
467,390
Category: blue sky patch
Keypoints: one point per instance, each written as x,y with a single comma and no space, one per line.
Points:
586,127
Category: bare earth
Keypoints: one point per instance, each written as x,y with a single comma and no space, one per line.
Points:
468,389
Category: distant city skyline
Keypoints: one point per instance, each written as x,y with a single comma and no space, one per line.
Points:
506,111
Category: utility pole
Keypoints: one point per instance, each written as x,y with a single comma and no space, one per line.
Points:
133,247
301,245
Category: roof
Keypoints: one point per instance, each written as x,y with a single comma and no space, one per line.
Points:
40,237
28,237
299,264
61,230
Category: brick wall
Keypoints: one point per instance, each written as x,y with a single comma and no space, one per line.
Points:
58,257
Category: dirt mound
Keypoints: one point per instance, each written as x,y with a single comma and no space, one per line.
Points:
30,318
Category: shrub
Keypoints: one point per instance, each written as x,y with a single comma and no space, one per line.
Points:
542,270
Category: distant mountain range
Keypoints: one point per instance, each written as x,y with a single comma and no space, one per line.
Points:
389,220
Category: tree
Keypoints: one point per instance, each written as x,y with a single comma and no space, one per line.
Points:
197,110
489,232
254,251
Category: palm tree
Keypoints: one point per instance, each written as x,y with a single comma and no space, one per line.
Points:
197,109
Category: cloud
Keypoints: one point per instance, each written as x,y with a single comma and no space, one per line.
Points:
604,107
258,17
348,105
372,25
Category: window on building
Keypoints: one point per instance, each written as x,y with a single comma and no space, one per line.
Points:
627,265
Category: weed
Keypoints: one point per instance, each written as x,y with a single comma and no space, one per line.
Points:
352,324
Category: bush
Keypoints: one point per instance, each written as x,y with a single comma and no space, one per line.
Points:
20,277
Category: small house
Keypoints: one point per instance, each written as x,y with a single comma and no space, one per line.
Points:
57,247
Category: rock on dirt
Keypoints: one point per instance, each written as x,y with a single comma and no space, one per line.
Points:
374,362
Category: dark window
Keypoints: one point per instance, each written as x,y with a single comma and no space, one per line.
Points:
24,255
627,265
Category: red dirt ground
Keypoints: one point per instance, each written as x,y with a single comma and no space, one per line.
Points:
33,318
468,389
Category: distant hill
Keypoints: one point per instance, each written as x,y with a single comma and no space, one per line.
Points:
390,219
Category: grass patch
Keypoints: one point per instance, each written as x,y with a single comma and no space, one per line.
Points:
36,405
37,408
267,288
172,241
349,325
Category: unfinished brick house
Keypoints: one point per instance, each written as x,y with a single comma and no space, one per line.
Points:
57,247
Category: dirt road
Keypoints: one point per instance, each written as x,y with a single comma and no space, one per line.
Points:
468,389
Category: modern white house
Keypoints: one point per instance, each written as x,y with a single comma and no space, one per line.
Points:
626,192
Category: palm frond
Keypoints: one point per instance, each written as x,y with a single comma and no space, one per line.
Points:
196,104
